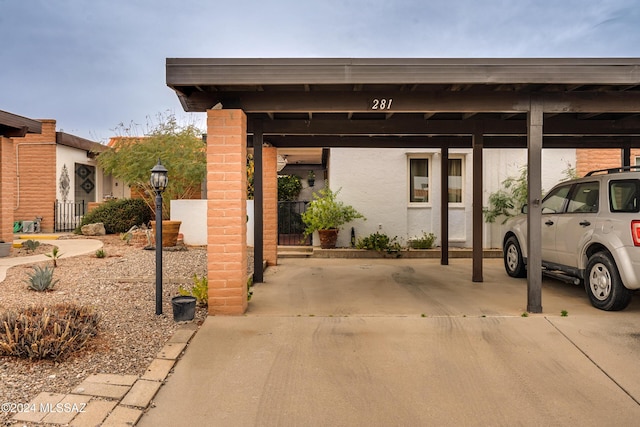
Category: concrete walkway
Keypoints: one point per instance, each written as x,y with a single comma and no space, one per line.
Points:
406,343
67,247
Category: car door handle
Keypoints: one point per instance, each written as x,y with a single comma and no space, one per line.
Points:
584,223
549,222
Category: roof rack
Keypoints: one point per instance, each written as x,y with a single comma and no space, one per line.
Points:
614,170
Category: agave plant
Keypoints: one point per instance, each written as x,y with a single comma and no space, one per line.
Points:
41,279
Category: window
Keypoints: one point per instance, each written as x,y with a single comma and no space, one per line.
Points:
455,180
624,195
418,180
554,201
584,198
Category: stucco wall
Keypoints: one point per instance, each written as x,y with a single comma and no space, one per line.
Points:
375,182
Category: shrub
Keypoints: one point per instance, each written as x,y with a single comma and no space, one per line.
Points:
40,332
199,290
41,279
379,242
326,212
31,245
289,187
424,242
100,253
118,216
55,256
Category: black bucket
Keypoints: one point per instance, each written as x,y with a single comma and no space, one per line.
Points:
184,308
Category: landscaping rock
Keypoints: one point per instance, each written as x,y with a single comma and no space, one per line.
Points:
96,229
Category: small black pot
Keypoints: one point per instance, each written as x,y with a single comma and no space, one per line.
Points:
184,308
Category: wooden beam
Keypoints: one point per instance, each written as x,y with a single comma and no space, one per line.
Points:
477,206
444,206
534,213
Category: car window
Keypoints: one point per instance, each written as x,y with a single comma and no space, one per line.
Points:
584,197
623,195
554,201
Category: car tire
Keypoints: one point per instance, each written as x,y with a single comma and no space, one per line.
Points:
513,261
603,284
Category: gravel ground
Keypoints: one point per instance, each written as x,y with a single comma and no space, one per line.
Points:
122,288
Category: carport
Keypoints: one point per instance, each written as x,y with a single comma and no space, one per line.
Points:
404,103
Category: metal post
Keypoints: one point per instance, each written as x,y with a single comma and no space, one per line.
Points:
158,252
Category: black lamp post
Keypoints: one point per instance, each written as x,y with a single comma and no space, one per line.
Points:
159,181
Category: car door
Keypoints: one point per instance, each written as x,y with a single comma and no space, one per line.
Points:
553,206
575,227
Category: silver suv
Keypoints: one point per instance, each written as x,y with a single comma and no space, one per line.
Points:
590,235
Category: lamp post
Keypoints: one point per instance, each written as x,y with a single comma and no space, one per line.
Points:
159,181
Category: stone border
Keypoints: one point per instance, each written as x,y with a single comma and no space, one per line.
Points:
107,399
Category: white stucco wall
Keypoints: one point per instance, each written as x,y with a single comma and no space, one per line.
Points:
193,214
375,182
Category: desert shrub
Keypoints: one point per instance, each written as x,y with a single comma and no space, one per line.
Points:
40,332
118,216
199,290
424,242
379,242
31,245
41,279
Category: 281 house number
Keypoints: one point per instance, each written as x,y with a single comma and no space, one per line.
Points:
381,103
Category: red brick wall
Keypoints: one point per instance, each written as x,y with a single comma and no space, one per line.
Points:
7,188
227,211
594,159
270,205
36,175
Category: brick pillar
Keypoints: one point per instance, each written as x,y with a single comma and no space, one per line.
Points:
7,188
270,206
36,175
227,211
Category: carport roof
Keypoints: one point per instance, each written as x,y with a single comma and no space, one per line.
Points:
12,125
360,98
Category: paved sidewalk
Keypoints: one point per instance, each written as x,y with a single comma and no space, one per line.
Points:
68,248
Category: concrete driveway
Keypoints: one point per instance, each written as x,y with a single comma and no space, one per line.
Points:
405,343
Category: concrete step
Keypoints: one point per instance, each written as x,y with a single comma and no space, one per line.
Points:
295,251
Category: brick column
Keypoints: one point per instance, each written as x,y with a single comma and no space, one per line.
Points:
227,211
7,188
270,206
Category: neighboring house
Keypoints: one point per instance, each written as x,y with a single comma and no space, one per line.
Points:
56,177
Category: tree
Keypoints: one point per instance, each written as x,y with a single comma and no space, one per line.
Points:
180,149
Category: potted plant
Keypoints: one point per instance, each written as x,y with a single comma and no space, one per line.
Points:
5,248
325,214
311,178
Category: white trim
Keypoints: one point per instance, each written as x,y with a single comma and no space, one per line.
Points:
429,158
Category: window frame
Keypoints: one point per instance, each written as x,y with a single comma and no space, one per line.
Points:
429,158
462,159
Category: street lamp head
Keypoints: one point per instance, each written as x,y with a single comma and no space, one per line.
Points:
159,178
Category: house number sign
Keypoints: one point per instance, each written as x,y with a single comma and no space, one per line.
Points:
381,103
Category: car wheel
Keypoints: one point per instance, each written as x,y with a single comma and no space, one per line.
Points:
513,261
603,284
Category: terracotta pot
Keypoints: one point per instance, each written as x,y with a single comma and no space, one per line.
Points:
328,238
170,231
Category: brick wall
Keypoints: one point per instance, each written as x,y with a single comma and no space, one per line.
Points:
593,159
270,205
227,211
7,188
36,176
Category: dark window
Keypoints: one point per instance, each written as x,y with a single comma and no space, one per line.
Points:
584,198
555,200
623,195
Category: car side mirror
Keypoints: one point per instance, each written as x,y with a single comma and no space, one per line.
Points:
524,209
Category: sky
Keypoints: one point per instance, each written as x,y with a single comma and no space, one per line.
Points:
98,66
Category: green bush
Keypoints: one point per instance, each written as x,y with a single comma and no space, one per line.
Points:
199,290
424,242
118,216
379,242
289,187
40,332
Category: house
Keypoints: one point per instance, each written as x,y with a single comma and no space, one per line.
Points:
53,177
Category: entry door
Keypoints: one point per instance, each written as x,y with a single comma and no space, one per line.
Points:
85,183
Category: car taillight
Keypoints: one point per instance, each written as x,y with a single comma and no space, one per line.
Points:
635,232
